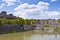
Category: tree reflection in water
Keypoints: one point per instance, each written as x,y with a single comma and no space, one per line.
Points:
34,36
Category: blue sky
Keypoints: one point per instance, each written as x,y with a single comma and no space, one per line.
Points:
32,9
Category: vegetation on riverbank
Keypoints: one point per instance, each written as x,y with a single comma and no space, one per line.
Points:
14,25
19,21
10,23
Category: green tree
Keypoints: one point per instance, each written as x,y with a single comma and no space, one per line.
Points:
0,23
20,21
33,21
9,22
27,22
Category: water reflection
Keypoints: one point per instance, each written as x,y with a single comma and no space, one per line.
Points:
31,35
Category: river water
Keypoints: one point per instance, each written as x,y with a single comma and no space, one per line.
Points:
37,36
29,35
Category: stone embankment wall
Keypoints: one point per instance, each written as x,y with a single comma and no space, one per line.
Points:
8,28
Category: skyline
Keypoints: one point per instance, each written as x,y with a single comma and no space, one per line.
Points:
32,9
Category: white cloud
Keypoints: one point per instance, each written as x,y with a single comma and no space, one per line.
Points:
10,2
37,11
53,0
31,11
53,13
2,5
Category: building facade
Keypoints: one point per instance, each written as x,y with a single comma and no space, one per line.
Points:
4,14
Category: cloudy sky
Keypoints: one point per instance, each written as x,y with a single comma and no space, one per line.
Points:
32,9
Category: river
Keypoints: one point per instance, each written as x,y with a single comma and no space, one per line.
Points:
29,35
38,36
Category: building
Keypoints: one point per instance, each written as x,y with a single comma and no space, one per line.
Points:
4,14
52,22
